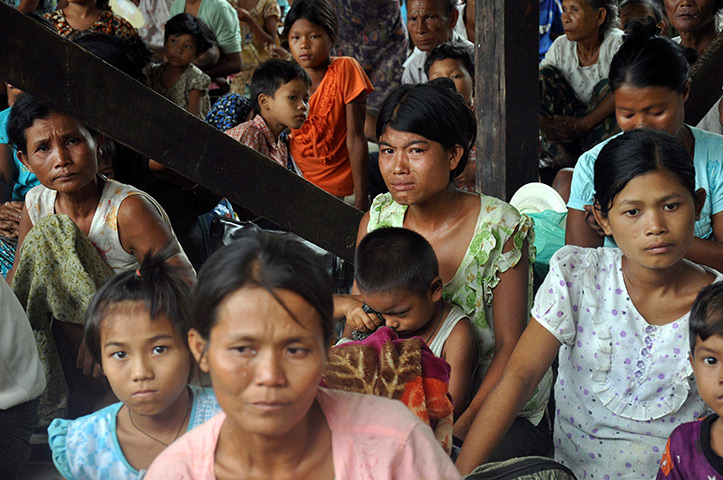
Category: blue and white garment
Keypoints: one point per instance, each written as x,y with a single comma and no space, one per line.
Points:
88,449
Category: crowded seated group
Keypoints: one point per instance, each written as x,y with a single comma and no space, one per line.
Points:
131,346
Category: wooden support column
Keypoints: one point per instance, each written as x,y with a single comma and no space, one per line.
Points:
506,95
75,82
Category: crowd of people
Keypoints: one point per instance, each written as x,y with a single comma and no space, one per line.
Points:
143,351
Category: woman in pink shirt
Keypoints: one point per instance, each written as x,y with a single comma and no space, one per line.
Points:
262,326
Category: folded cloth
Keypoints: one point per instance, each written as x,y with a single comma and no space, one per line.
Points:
58,273
402,369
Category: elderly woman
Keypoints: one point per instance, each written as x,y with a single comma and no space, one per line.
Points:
576,107
262,327
696,22
77,228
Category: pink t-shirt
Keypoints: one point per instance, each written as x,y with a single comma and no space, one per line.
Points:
372,438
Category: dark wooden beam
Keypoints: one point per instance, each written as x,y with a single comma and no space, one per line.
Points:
74,81
506,95
705,83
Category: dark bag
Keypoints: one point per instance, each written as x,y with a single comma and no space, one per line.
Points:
525,468
224,230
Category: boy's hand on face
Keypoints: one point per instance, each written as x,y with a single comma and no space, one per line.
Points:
360,320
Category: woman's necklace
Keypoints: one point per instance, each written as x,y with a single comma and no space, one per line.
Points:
178,432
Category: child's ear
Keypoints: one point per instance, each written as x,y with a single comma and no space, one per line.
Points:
455,156
700,195
601,219
198,346
263,101
435,289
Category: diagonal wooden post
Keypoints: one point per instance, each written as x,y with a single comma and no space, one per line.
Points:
506,95
74,81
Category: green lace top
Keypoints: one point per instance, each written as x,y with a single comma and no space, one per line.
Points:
472,286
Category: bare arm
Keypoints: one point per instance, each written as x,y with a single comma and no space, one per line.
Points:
7,169
27,6
267,34
571,127
25,225
194,102
509,305
162,172
530,360
460,351
350,306
142,230
228,63
604,109
578,231
356,143
707,252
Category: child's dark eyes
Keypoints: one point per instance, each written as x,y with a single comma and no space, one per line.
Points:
119,355
387,151
710,360
632,212
671,206
158,349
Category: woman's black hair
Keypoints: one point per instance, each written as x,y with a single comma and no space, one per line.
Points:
646,59
637,152
183,23
270,261
706,316
102,4
395,260
130,55
318,12
159,287
434,111
25,111
611,15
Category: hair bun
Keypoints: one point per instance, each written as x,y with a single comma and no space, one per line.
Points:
637,31
443,82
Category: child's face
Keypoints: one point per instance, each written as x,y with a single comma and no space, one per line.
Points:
309,43
265,365
707,362
146,362
180,50
287,107
652,219
455,71
408,313
656,107
638,11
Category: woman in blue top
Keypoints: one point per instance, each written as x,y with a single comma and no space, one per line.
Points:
15,181
649,79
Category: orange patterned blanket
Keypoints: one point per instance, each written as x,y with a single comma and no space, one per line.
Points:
403,369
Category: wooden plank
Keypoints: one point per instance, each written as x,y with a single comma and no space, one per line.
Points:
506,95
705,84
73,81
